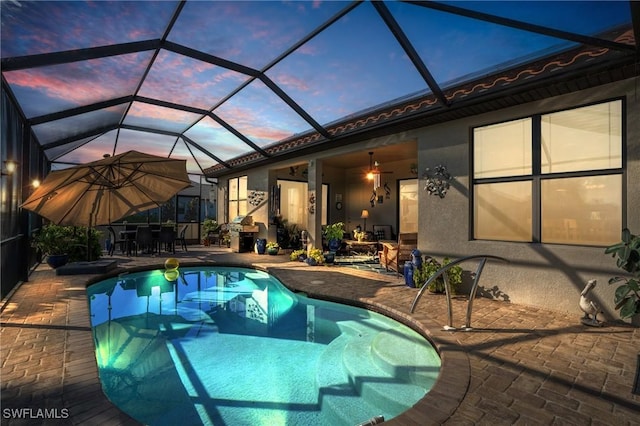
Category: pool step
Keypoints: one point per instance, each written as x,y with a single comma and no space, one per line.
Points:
405,354
338,398
379,386
358,373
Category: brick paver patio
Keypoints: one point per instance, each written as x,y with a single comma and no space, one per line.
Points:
519,365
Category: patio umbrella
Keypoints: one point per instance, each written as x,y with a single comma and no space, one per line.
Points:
106,190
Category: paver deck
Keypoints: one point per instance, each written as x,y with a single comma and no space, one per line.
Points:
519,365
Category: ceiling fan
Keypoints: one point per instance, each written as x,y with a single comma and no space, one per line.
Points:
373,174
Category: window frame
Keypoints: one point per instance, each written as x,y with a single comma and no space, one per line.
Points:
537,176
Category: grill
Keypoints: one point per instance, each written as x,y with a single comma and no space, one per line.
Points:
242,232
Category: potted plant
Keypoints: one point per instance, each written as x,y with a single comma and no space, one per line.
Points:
627,296
298,255
209,226
315,257
273,248
226,239
61,244
429,267
334,234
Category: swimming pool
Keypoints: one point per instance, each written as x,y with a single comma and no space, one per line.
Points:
232,346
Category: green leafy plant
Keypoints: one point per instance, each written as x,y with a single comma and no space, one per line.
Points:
335,231
272,245
210,225
55,239
429,267
627,295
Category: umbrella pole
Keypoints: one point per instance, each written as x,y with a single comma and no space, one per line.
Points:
89,240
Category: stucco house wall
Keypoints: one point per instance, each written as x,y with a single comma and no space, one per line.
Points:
545,275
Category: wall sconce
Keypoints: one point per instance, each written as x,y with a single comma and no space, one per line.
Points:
10,167
364,215
437,180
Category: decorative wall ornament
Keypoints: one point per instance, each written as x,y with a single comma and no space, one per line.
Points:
372,200
387,191
312,202
255,198
437,180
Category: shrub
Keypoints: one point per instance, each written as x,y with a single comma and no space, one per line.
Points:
429,267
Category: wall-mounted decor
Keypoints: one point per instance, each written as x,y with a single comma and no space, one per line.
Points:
372,200
256,198
275,200
387,191
437,180
312,202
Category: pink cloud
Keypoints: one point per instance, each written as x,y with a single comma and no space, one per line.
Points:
293,82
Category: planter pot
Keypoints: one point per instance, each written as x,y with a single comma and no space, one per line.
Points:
329,257
261,245
408,274
57,260
302,257
272,251
334,245
311,261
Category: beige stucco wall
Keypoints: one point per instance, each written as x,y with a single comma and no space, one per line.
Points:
546,275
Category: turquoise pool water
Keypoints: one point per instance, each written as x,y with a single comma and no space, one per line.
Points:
233,346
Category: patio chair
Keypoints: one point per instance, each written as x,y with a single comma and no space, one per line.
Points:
182,238
144,239
393,256
167,238
122,242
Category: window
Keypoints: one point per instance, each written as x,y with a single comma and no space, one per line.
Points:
237,197
553,178
408,208
294,204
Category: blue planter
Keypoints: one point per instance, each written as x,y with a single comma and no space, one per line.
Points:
408,274
311,261
416,258
329,257
57,260
334,245
261,245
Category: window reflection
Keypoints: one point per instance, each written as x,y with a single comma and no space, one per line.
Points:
502,149
582,139
502,211
584,210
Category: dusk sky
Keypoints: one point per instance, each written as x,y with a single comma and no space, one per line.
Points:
352,65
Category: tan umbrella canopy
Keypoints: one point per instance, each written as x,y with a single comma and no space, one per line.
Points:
106,190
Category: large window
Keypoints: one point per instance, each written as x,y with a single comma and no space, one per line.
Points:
553,178
237,197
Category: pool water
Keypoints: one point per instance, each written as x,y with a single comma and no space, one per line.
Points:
232,346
